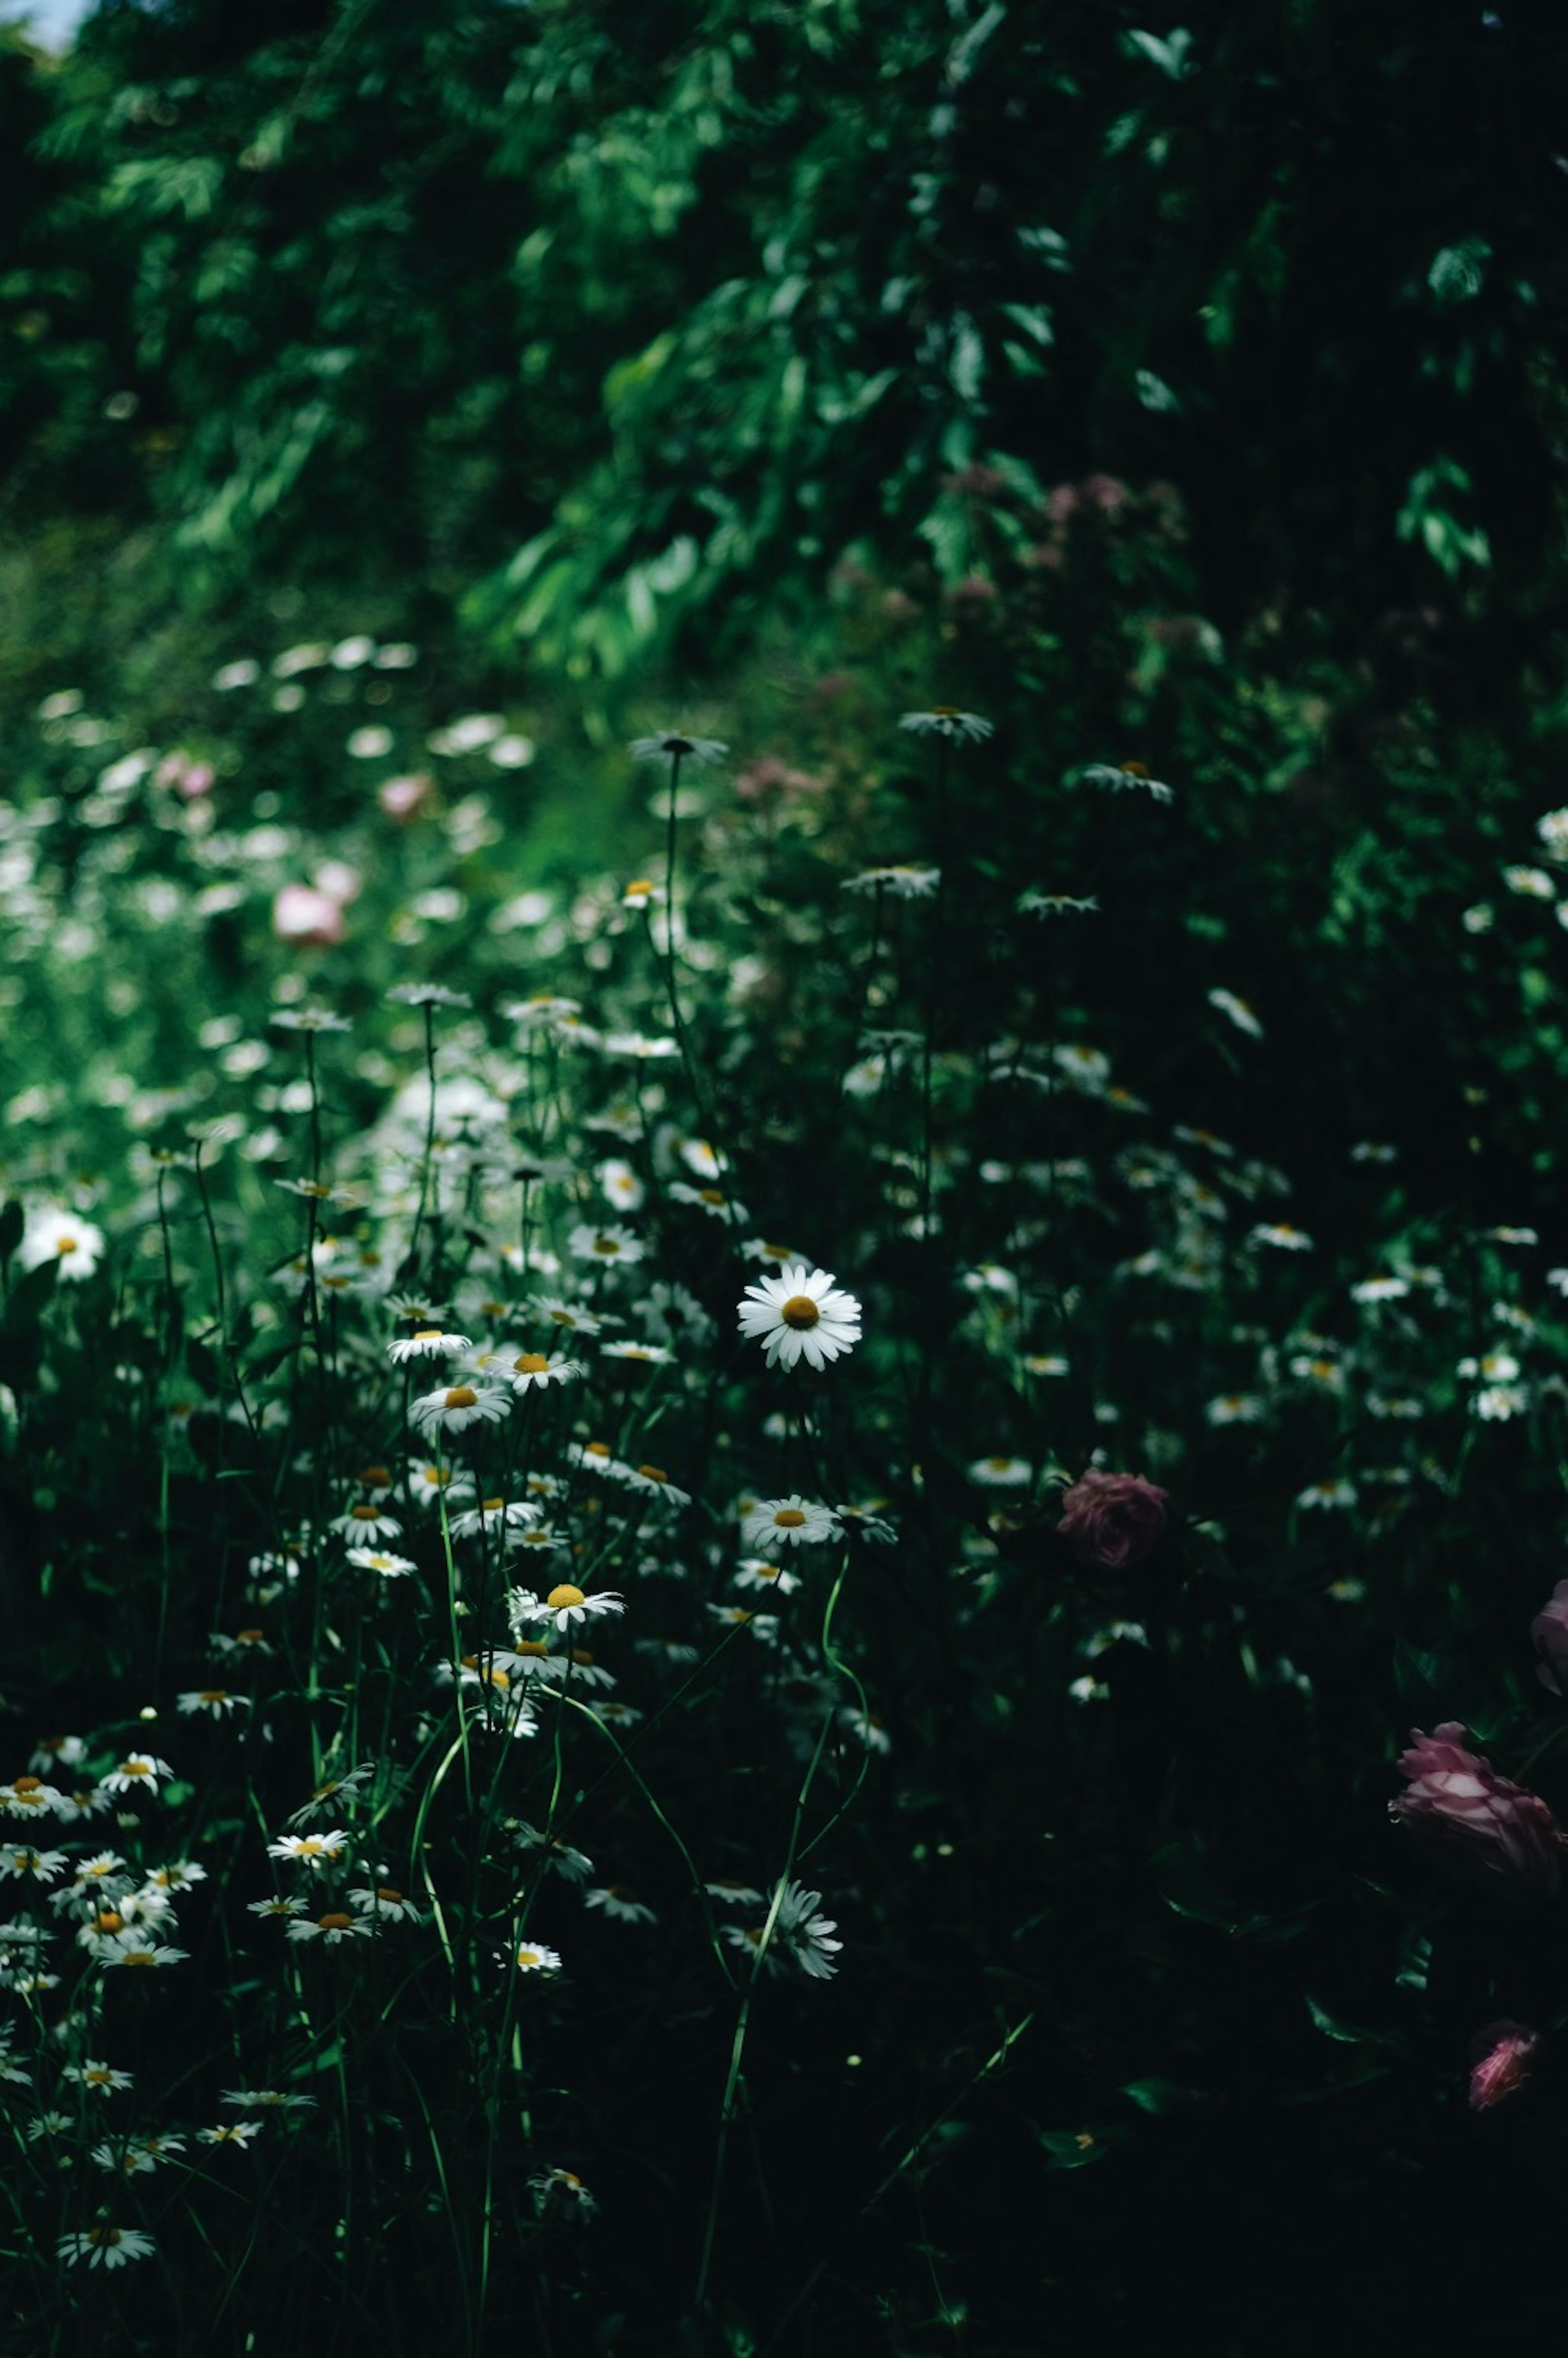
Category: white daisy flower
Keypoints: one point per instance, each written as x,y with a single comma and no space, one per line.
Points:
644,1354
275,1907
1117,776
457,1406
54,1234
240,2133
335,1926
327,1797
734,1895
901,882
1280,1235
428,1483
1234,1407
614,1900
137,1773
366,1521
1327,1494
496,1516
562,2190
391,1567
313,1851
1001,1473
613,1243
385,1903
30,1797
58,1752
216,1702
1379,1289
533,1957
756,1572
786,1522
621,1185
106,2248
131,1947
574,1864
428,1342
597,1458
565,1604
1238,1011
572,1315
99,2077
655,1483
271,2100
531,1368
800,1311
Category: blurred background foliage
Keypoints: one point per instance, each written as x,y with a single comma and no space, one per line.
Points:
1186,392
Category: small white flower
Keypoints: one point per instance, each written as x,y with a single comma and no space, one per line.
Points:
1327,1494
456,1406
52,1234
1116,777
1533,883
1379,1289
533,1957
800,1313
335,1926
786,1522
615,1901
240,2133
137,1773
621,1185
313,1851
1280,1235
613,1244
428,1342
391,1567
215,1703
565,1604
107,2247
1238,1011
901,882
1001,1473
1235,1408
675,746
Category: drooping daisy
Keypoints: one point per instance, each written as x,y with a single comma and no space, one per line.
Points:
569,1314
495,1517
614,1900
215,1703
335,1926
574,1864
643,1355
104,2246
563,2193
271,2100
904,882
655,1483
677,746
428,1342
130,1946
800,1311
327,1797
786,1522
946,720
137,1773
384,1902
364,1522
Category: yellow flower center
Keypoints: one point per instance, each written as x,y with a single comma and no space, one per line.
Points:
334,1921
563,1317
27,1785
365,1514
375,1477
653,1473
138,1957
387,1892
137,1769
247,1637
639,884
597,1449
1133,769
462,1396
710,1195
308,1846
789,1519
98,2078
427,1335
109,1919
66,1244
214,1694
800,1310
103,2236
531,1363
527,1958
562,1595
534,1646
606,1244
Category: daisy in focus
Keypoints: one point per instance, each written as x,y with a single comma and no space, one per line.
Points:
800,1312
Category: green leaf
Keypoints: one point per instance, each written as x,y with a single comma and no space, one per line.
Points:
11,1223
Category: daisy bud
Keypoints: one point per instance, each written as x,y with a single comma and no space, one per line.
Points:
1502,2062
1112,1520
1492,1834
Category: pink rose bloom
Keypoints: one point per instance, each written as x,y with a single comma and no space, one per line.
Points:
1549,1631
1112,1520
403,798
1502,2062
300,913
1490,1834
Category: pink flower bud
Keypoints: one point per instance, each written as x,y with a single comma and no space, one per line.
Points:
1549,1631
1502,2062
403,798
1490,1834
1112,1520
300,913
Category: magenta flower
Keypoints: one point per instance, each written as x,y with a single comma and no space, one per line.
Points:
1502,2062
1549,1631
1112,1520
1487,1831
